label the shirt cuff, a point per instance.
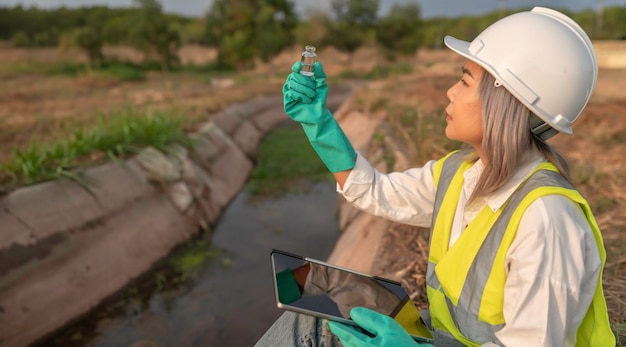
(360, 178)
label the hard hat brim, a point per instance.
(463, 48)
(459, 46)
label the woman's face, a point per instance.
(464, 113)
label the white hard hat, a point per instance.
(543, 58)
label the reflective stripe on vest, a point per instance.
(467, 300)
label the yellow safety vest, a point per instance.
(465, 283)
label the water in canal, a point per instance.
(224, 305)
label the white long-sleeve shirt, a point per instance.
(552, 265)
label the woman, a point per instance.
(515, 255)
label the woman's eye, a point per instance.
(463, 81)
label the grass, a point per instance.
(108, 69)
(285, 160)
(119, 72)
(57, 68)
(378, 72)
(116, 135)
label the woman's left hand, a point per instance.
(385, 330)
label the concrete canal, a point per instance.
(227, 300)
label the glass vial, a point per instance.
(308, 60)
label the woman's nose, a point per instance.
(450, 93)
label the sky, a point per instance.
(430, 8)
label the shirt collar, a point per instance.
(496, 199)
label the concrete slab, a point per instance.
(117, 184)
(358, 245)
(203, 150)
(228, 120)
(247, 138)
(95, 264)
(229, 173)
(14, 231)
(158, 166)
(269, 118)
(53, 206)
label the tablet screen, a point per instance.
(313, 287)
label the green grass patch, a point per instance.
(285, 162)
(120, 72)
(378, 72)
(384, 71)
(212, 67)
(349, 74)
(57, 68)
(111, 70)
(117, 134)
(185, 264)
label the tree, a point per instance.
(90, 41)
(356, 12)
(192, 31)
(20, 39)
(153, 33)
(245, 29)
(274, 23)
(614, 23)
(354, 20)
(117, 29)
(230, 28)
(314, 30)
(400, 30)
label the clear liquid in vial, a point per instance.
(308, 60)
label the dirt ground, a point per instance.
(35, 107)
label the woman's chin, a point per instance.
(450, 133)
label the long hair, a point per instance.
(507, 138)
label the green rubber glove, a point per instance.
(304, 100)
(385, 331)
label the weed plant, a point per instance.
(116, 135)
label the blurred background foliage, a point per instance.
(245, 30)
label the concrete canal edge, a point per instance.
(66, 245)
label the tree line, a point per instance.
(246, 30)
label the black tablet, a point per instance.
(327, 291)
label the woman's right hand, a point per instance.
(304, 97)
(305, 102)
